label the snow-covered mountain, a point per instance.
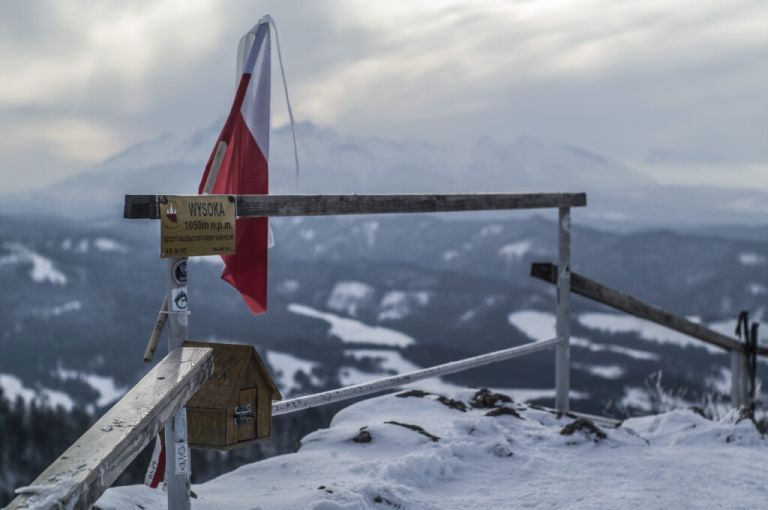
(480, 450)
(334, 162)
(358, 298)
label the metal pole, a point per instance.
(563, 326)
(177, 456)
(396, 381)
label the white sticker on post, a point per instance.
(179, 299)
(181, 459)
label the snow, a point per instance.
(536, 325)
(288, 287)
(43, 269)
(618, 349)
(57, 310)
(646, 330)
(450, 255)
(752, 259)
(109, 245)
(756, 289)
(398, 304)
(14, 388)
(491, 230)
(394, 362)
(347, 296)
(368, 229)
(674, 460)
(604, 371)
(540, 326)
(105, 386)
(638, 398)
(389, 360)
(513, 251)
(354, 331)
(286, 367)
(721, 382)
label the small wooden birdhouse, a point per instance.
(234, 407)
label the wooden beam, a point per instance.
(146, 206)
(591, 289)
(82, 473)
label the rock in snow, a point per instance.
(419, 453)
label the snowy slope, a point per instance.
(418, 452)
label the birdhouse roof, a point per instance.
(238, 357)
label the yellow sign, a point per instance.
(197, 225)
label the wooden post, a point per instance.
(739, 392)
(562, 325)
(157, 330)
(177, 456)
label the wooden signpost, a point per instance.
(197, 225)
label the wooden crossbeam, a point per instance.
(82, 473)
(147, 206)
(591, 289)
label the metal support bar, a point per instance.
(178, 467)
(563, 326)
(396, 381)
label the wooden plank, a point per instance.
(145, 206)
(598, 292)
(82, 473)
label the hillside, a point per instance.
(412, 451)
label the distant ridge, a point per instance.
(334, 162)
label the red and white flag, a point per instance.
(156, 469)
(243, 151)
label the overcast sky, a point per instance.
(677, 89)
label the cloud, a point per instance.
(620, 78)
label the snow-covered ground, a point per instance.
(617, 323)
(287, 367)
(354, 331)
(105, 386)
(421, 452)
(540, 326)
(42, 269)
(14, 388)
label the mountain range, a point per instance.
(333, 162)
(356, 298)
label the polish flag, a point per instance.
(242, 150)
(156, 469)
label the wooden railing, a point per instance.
(86, 469)
(91, 465)
(82, 473)
(595, 291)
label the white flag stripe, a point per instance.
(255, 108)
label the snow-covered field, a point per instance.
(423, 452)
(354, 331)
